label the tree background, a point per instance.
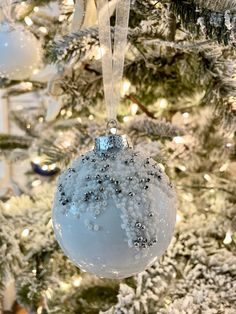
(178, 104)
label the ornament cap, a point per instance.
(112, 142)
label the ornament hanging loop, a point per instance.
(113, 57)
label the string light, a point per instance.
(207, 177)
(186, 115)
(133, 109)
(28, 21)
(163, 103)
(69, 2)
(36, 9)
(52, 166)
(7, 205)
(28, 126)
(41, 119)
(43, 30)
(125, 87)
(40, 310)
(63, 112)
(223, 167)
(179, 217)
(91, 117)
(178, 139)
(25, 233)
(182, 168)
(36, 183)
(228, 238)
(64, 286)
(77, 281)
(126, 119)
(69, 113)
(229, 145)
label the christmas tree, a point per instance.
(178, 104)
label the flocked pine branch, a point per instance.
(154, 128)
(219, 26)
(217, 5)
(9, 142)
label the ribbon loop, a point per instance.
(113, 62)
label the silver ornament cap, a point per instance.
(107, 143)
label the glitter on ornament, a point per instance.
(114, 210)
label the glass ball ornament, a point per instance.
(114, 210)
(20, 52)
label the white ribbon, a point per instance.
(113, 62)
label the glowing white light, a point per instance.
(26, 85)
(91, 117)
(37, 160)
(69, 2)
(40, 310)
(207, 177)
(79, 120)
(34, 271)
(36, 9)
(61, 18)
(126, 119)
(186, 115)
(28, 126)
(69, 113)
(22, 3)
(125, 87)
(43, 30)
(25, 233)
(63, 112)
(52, 166)
(182, 167)
(28, 21)
(228, 238)
(65, 286)
(178, 218)
(77, 281)
(41, 119)
(66, 144)
(178, 139)
(229, 145)
(45, 167)
(7, 205)
(36, 183)
(35, 71)
(133, 109)
(163, 103)
(223, 167)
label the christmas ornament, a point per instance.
(44, 169)
(41, 164)
(114, 208)
(20, 52)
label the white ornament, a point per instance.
(114, 210)
(20, 52)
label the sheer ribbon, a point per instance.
(113, 59)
